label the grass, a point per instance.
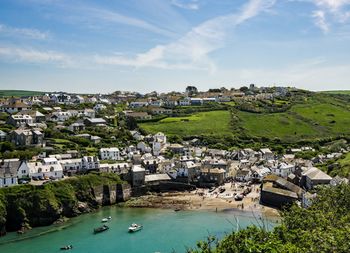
(19, 93)
(276, 125)
(320, 116)
(204, 123)
(332, 119)
(343, 92)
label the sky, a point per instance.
(101, 46)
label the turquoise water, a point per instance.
(164, 231)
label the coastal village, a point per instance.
(80, 134)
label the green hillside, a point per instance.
(19, 93)
(305, 117)
(203, 123)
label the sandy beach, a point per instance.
(202, 199)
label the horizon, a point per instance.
(164, 45)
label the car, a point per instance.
(40, 178)
(52, 178)
(35, 178)
(23, 182)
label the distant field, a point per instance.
(19, 93)
(334, 119)
(275, 125)
(347, 92)
(204, 123)
(312, 119)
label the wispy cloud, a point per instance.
(93, 15)
(115, 17)
(34, 56)
(320, 20)
(330, 10)
(189, 5)
(193, 49)
(23, 32)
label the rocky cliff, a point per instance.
(26, 206)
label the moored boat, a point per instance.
(134, 228)
(67, 247)
(101, 229)
(106, 219)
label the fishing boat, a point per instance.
(101, 229)
(134, 228)
(106, 219)
(67, 247)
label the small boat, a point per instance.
(239, 197)
(106, 219)
(134, 228)
(101, 229)
(221, 190)
(177, 209)
(67, 247)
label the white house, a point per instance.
(185, 101)
(99, 107)
(90, 113)
(60, 116)
(243, 175)
(9, 172)
(71, 165)
(283, 169)
(266, 154)
(90, 163)
(143, 147)
(258, 173)
(160, 137)
(110, 153)
(20, 120)
(48, 167)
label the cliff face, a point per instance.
(26, 206)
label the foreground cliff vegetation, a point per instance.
(324, 227)
(26, 206)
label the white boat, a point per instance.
(106, 219)
(134, 228)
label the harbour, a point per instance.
(164, 230)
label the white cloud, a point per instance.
(332, 5)
(23, 32)
(193, 49)
(34, 56)
(189, 5)
(330, 10)
(320, 20)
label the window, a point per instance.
(40, 170)
(52, 169)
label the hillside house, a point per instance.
(9, 172)
(110, 154)
(20, 120)
(27, 137)
(47, 168)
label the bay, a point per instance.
(164, 231)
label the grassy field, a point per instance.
(332, 119)
(277, 125)
(204, 123)
(19, 93)
(346, 92)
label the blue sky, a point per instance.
(165, 45)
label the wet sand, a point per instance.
(202, 199)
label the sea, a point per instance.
(164, 230)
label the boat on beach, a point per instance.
(135, 227)
(101, 229)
